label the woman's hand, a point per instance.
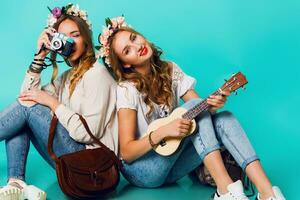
(176, 128)
(217, 101)
(40, 97)
(44, 40)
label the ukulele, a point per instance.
(169, 145)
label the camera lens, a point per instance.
(56, 44)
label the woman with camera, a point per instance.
(83, 89)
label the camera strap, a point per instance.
(43, 64)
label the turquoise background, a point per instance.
(210, 40)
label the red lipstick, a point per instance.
(143, 51)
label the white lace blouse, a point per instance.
(129, 97)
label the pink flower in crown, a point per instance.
(73, 10)
(56, 12)
(121, 21)
(69, 9)
(51, 20)
(112, 25)
(103, 40)
(106, 32)
(117, 22)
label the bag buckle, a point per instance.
(94, 177)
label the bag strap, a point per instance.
(51, 138)
(52, 128)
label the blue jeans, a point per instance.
(19, 125)
(154, 170)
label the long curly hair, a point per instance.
(86, 60)
(157, 86)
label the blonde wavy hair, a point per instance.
(157, 87)
(86, 60)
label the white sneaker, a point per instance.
(235, 192)
(11, 192)
(33, 193)
(277, 192)
(19, 190)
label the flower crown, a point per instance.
(70, 9)
(112, 25)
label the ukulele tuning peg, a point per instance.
(244, 88)
(225, 80)
(235, 92)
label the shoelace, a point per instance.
(16, 185)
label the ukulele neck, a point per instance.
(198, 108)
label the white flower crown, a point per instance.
(112, 25)
(70, 9)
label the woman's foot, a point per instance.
(277, 192)
(34, 193)
(235, 192)
(13, 190)
(19, 190)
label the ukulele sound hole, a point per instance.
(162, 143)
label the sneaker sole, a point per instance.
(34, 193)
(12, 194)
(41, 196)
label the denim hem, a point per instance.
(209, 150)
(248, 161)
(22, 178)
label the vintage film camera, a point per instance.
(61, 44)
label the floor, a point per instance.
(40, 174)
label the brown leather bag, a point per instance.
(86, 174)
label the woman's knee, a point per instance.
(40, 112)
(226, 124)
(223, 118)
(224, 115)
(40, 107)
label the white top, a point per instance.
(129, 97)
(94, 97)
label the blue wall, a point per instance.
(209, 40)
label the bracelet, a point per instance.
(38, 59)
(151, 142)
(37, 65)
(35, 69)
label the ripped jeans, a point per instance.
(19, 125)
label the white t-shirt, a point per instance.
(129, 97)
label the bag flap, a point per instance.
(87, 160)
